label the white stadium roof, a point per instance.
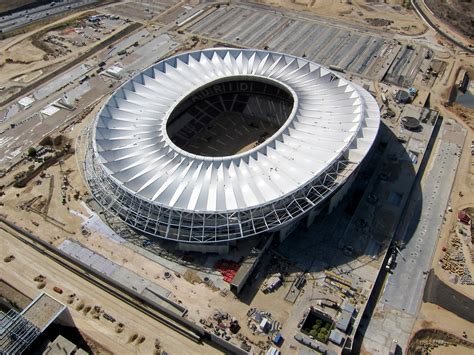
(331, 121)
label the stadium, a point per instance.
(213, 146)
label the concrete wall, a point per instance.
(233, 349)
(205, 248)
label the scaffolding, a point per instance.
(16, 333)
(195, 227)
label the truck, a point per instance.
(109, 317)
(390, 261)
(273, 283)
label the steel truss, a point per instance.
(16, 333)
(196, 227)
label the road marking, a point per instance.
(4, 141)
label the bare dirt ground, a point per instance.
(457, 13)
(464, 113)
(22, 57)
(389, 16)
(461, 197)
(64, 223)
(28, 264)
(432, 316)
(435, 341)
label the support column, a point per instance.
(310, 218)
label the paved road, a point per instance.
(395, 312)
(420, 240)
(20, 19)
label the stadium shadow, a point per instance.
(376, 209)
(383, 204)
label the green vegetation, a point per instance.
(46, 141)
(31, 151)
(318, 328)
(320, 332)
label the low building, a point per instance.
(265, 325)
(19, 330)
(336, 337)
(344, 320)
(114, 72)
(314, 345)
(273, 351)
(26, 102)
(248, 265)
(62, 346)
(273, 283)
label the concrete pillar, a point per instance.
(339, 195)
(286, 231)
(310, 218)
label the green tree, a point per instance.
(31, 151)
(322, 337)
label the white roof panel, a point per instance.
(131, 139)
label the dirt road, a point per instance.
(29, 263)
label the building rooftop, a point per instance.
(336, 337)
(62, 346)
(19, 330)
(43, 311)
(343, 321)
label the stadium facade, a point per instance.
(209, 147)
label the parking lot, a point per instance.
(352, 51)
(141, 10)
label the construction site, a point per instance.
(332, 286)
